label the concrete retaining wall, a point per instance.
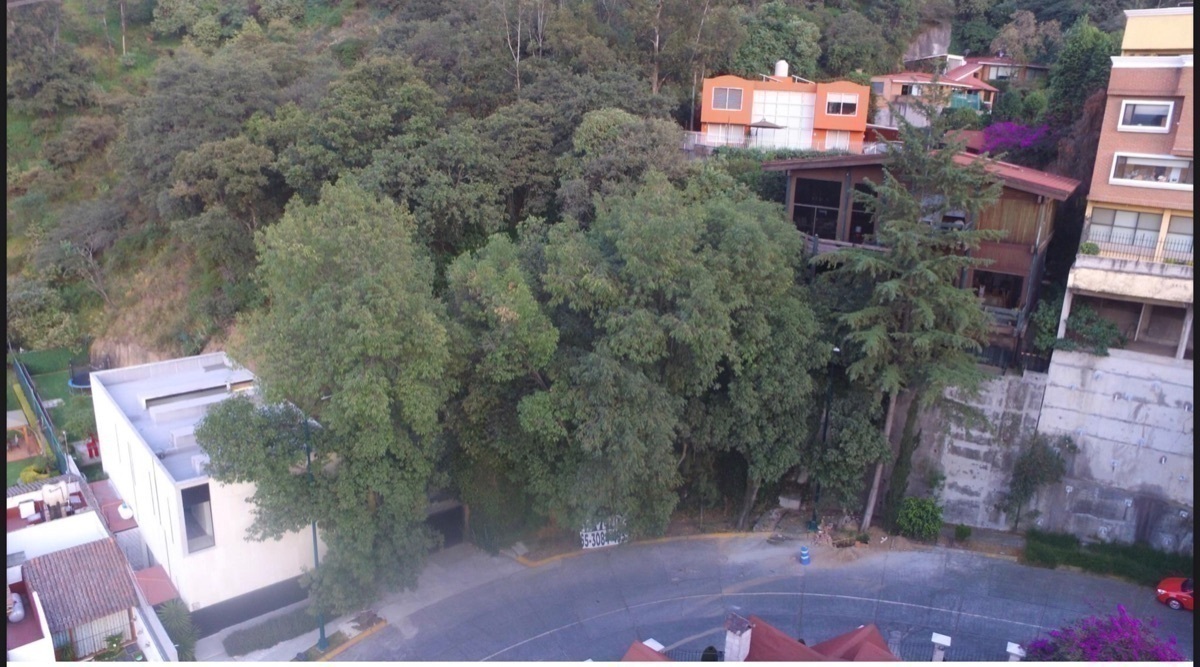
(1131, 414)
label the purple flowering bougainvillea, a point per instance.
(1008, 136)
(1118, 637)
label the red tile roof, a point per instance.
(863, 643)
(770, 644)
(1025, 179)
(155, 585)
(1014, 176)
(962, 71)
(922, 77)
(81, 584)
(639, 652)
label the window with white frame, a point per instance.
(1180, 235)
(727, 99)
(841, 104)
(837, 140)
(1002, 73)
(1129, 228)
(1145, 116)
(1152, 171)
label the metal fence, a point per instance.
(1119, 245)
(41, 415)
(694, 655)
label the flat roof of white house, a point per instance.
(164, 401)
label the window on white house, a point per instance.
(877, 87)
(841, 104)
(727, 99)
(197, 518)
(1145, 116)
(1129, 228)
(1152, 171)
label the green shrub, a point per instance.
(349, 51)
(1089, 248)
(864, 538)
(1040, 555)
(1139, 563)
(920, 518)
(962, 533)
(270, 632)
(36, 471)
(177, 621)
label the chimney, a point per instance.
(781, 69)
(737, 638)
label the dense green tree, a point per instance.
(776, 32)
(1027, 40)
(919, 330)
(353, 336)
(853, 42)
(192, 99)
(521, 140)
(1081, 69)
(450, 180)
(380, 98)
(35, 315)
(75, 246)
(44, 73)
(612, 150)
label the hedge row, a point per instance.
(1139, 563)
(270, 632)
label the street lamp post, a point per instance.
(814, 523)
(322, 642)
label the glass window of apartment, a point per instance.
(727, 99)
(1151, 171)
(1129, 228)
(910, 89)
(1145, 116)
(841, 104)
(817, 204)
(1180, 237)
(1002, 72)
(197, 518)
(877, 87)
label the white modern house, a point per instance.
(194, 527)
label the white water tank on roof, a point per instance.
(781, 69)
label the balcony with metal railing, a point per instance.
(1132, 248)
(704, 143)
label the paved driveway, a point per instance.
(594, 605)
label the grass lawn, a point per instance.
(40, 362)
(11, 379)
(15, 468)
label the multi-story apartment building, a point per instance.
(1130, 412)
(1136, 256)
(782, 111)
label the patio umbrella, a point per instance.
(763, 124)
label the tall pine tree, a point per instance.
(919, 329)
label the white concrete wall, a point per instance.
(237, 565)
(1131, 415)
(56, 535)
(40, 651)
(141, 480)
(234, 566)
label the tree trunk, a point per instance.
(869, 510)
(122, 6)
(748, 502)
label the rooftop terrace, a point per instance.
(164, 401)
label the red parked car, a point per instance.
(1176, 593)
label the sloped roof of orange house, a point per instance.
(861, 644)
(639, 652)
(770, 644)
(962, 71)
(973, 139)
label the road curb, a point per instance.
(353, 640)
(658, 540)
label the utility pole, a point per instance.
(322, 642)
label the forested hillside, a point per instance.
(463, 234)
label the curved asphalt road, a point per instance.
(678, 592)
